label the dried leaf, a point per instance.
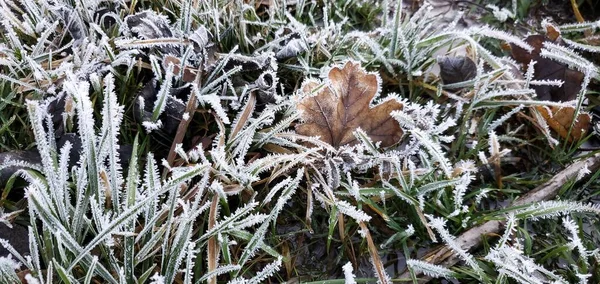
(548, 69)
(343, 105)
(560, 119)
(189, 73)
(552, 32)
(456, 69)
(148, 25)
(523, 56)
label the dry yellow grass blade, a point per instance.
(246, 114)
(212, 242)
(377, 264)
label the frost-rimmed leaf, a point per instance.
(345, 104)
(112, 116)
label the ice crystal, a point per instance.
(348, 275)
(429, 269)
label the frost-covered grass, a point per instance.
(200, 99)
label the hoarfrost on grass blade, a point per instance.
(220, 270)
(7, 270)
(351, 211)
(157, 279)
(512, 262)
(431, 270)
(439, 224)
(434, 149)
(348, 273)
(573, 229)
(555, 208)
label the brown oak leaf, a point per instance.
(560, 119)
(343, 105)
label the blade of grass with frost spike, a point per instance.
(144, 277)
(112, 116)
(227, 221)
(179, 248)
(225, 251)
(434, 150)
(152, 183)
(211, 247)
(173, 196)
(365, 140)
(333, 220)
(24, 84)
(286, 194)
(439, 225)
(581, 46)
(79, 91)
(62, 273)
(218, 271)
(257, 239)
(163, 93)
(48, 159)
(246, 236)
(35, 253)
(429, 269)
(221, 64)
(243, 116)
(488, 96)
(132, 212)
(351, 211)
(504, 36)
(156, 69)
(185, 16)
(511, 224)
(180, 178)
(551, 209)
(51, 223)
(433, 186)
(7, 246)
(588, 73)
(578, 27)
(567, 56)
(500, 103)
(149, 43)
(395, 29)
(208, 93)
(132, 180)
(493, 75)
(243, 140)
(278, 128)
(151, 247)
(414, 202)
(254, 243)
(274, 190)
(267, 271)
(63, 190)
(264, 164)
(90, 273)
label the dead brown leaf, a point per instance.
(559, 119)
(456, 69)
(189, 73)
(343, 105)
(548, 69)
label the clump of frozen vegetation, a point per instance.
(209, 209)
